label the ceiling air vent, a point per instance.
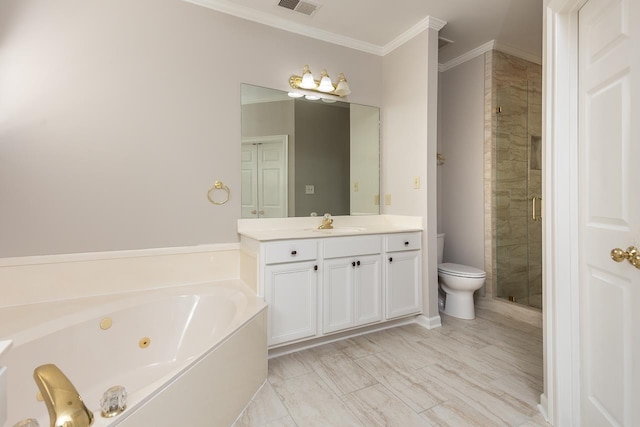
(300, 6)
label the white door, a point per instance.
(609, 211)
(265, 177)
(249, 183)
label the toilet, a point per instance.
(458, 282)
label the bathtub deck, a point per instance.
(485, 372)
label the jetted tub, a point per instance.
(206, 355)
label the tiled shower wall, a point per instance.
(513, 240)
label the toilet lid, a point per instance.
(460, 270)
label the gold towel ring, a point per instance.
(218, 185)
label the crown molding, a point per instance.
(480, 50)
(491, 45)
(247, 13)
(429, 22)
(270, 20)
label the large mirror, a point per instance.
(301, 157)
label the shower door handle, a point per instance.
(534, 210)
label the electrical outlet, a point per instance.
(416, 182)
(309, 189)
(356, 187)
(376, 200)
(387, 199)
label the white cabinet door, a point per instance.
(403, 284)
(352, 292)
(368, 290)
(291, 292)
(337, 294)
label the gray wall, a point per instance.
(461, 178)
(322, 158)
(118, 116)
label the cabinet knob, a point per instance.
(353, 264)
(406, 243)
(315, 268)
(390, 259)
(294, 253)
(358, 263)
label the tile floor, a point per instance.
(483, 372)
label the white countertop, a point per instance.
(307, 227)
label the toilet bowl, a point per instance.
(458, 282)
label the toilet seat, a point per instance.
(459, 270)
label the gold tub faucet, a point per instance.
(65, 406)
(327, 222)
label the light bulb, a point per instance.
(325, 82)
(308, 82)
(342, 88)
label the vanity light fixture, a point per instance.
(325, 85)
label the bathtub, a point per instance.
(206, 354)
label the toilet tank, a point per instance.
(440, 247)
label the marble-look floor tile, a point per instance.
(521, 386)
(377, 406)
(339, 371)
(288, 366)
(404, 347)
(357, 347)
(528, 364)
(408, 386)
(456, 413)
(502, 408)
(311, 403)
(282, 422)
(483, 372)
(265, 407)
(537, 421)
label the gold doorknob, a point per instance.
(631, 254)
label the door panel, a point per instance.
(609, 211)
(265, 177)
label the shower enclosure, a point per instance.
(517, 192)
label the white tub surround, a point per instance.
(42, 279)
(318, 283)
(207, 332)
(208, 338)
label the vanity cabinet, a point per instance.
(323, 285)
(291, 289)
(352, 282)
(403, 275)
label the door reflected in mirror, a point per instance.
(300, 156)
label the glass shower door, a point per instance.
(516, 189)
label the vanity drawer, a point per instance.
(352, 246)
(291, 251)
(404, 242)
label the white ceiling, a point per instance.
(377, 26)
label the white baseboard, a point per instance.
(429, 322)
(542, 407)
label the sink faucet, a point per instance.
(65, 406)
(327, 222)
